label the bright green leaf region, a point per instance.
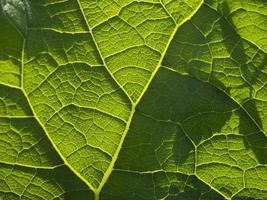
(133, 99)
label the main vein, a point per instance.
(135, 104)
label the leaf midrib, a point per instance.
(135, 104)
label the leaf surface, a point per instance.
(133, 99)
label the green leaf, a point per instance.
(130, 100)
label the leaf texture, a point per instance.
(129, 100)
